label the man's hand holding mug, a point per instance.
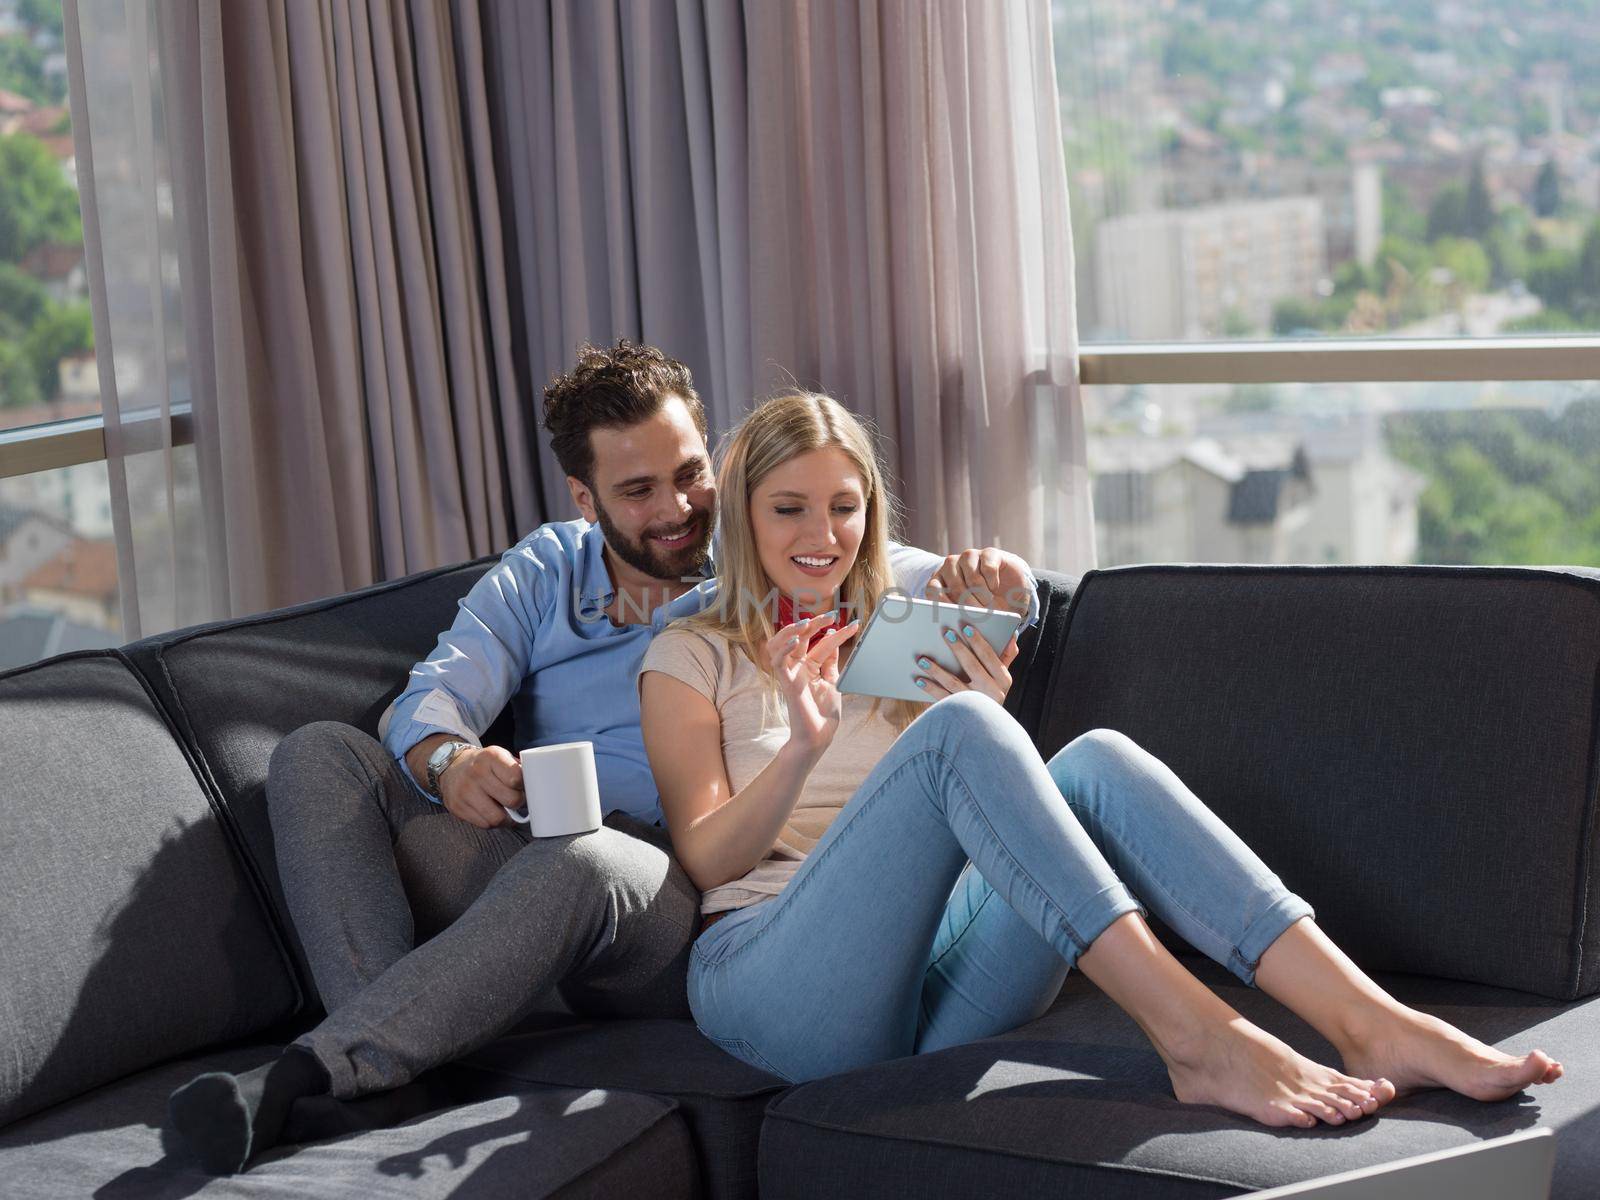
(480, 785)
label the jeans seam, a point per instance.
(725, 1043)
(971, 921)
(1129, 850)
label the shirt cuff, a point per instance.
(403, 731)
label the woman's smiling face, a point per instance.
(808, 517)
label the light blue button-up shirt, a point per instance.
(533, 631)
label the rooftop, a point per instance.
(29, 634)
(83, 568)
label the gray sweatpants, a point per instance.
(428, 937)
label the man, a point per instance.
(383, 847)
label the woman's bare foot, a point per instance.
(1418, 1051)
(1241, 1067)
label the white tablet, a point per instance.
(902, 629)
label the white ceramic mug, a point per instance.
(561, 790)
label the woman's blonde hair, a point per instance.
(779, 430)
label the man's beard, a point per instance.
(691, 562)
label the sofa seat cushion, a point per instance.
(721, 1098)
(1077, 1103)
(129, 933)
(1397, 743)
(537, 1142)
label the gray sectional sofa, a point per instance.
(1415, 749)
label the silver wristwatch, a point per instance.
(442, 757)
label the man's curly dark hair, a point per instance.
(611, 388)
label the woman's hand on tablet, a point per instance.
(985, 671)
(808, 678)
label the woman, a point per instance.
(883, 879)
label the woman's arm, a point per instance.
(718, 837)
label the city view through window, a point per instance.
(1246, 170)
(58, 565)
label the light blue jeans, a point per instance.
(950, 898)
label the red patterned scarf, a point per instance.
(788, 616)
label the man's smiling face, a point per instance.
(653, 494)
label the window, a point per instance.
(58, 564)
(47, 367)
(1294, 168)
(1347, 473)
(1281, 208)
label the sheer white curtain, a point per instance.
(911, 252)
(299, 293)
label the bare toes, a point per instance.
(1288, 1114)
(1322, 1110)
(1348, 1106)
(1358, 1099)
(1542, 1068)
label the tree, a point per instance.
(1465, 260)
(1587, 284)
(22, 70)
(66, 329)
(22, 299)
(19, 386)
(1547, 190)
(1237, 324)
(41, 15)
(1399, 261)
(1447, 215)
(1507, 258)
(1479, 213)
(1351, 277)
(37, 204)
(1400, 217)
(1553, 277)
(1295, 315)
(1506, 486)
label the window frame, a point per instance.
(1329, 360)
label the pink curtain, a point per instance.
(301, 313)
(911, 252)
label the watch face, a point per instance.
(438, 760)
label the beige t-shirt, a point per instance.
(755, 726)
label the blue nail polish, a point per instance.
(949, 635)
(966, 631)
(924, 664)
(922, 683)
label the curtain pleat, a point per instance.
(621, 153)
(310, 207)
(910, 254)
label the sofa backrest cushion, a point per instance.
(236, 688)
(1412, 749)
(1029, 697)
(128, 932)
